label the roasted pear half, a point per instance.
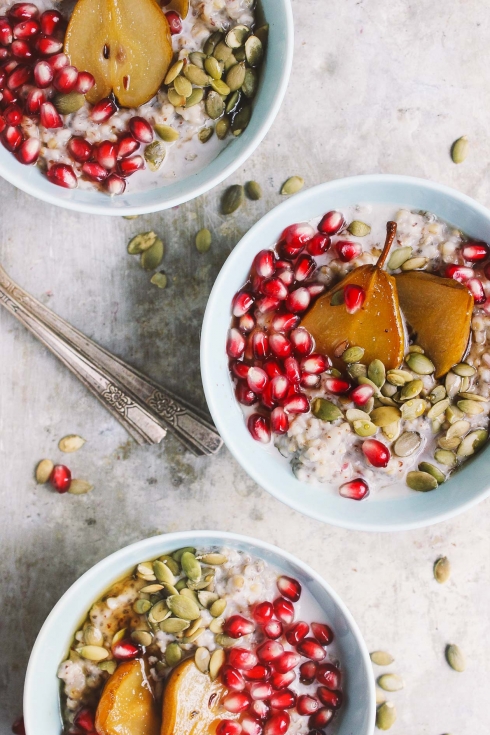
(376, 326)
(191, 702)
(438, 311)
(127, 705)
(124, 44)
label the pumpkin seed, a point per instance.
(357, 370)
(398, 377)
(254, 50)
(388, 390)
(222, 52)
(207, 598)
(253, 190)
(109, 666)
(459, 149)
(195, 97)
(203, 583)
(471, 408)
(212, 41)
(196, 76)
(169, 589)
(436, 425)
(381, 658)
(166, 133)
(155, 155)
(438, 408)
(43, 471)
(459, 429)
(176, 99)
(472, 442)
(445, 457)
(216, 625)
(353, 354)
(213, 67)
(171, 564)
(163, 573)
(71, 443)
(377, 373)
(222, 127)
(464, 370)
(217, 660)
(93, 653)
(416, 348)
(455, 657)
(214, 559)
(158, 612)
(249, 86)
(80, 487)
(237, 36)
(151, 258)
(442, 570)
(385, 716)
(392, 431)
(453, 414)
(364, 428)
(473, 397)
(263, 33)
(358, 228)
(198, 58)
(292, 185)
(411, 390)
(355, 414)
(181, 584)
(203, 240)
(407, 443)
(140, 243)
(174, 625)
(414, 264)
(225, 640)
(191, 567)
(205, 134)
(368, 407)
(68, 103)
(232, 199)
(232, 101)
(92, 636)
(173, 654)
(221, 88)
(444, 443)
(146, 569)
(183, 607)
(437, 394)
(390, 682)
(214, 105)
(142, 637)
(201, 659)
(174, 71)
(452, 383)
(436, 473)
(421, 481)
(183, 86)
(177, 555)
(385, 415)
(325, 410)
(413, 409)
(141, 606)
(398, 257)
(159, 279)
(235, 76)
(336, 300)
(420, 364)
(218, 608)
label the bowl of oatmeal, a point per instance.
(113, 114)
(208, 625)
(344, 352)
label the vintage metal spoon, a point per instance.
(145, 409)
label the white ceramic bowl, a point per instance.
(42, 687)
(467, 487)
(272, 87)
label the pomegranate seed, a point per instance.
(2, 124)
(85, 82)
(298, 300)
(329, 698)
(310, 648)
(50, 20)
(337, 385)
(260, 344)
(354, 490)
(129, 166)
(232, 679)
(320, 718)
(237, 626)
(260, 709)
(257, 379)
(475, 251)
(43, 74)
(19, 76)
(242, 658)
(264, 263)
(240, 369)
(6, 35)
(242, 303)
(29, 151)
(106, 154)
(459, 273)
(23, 11)
(329, 676)
(63, 175)
(50, 117)
(21, 50)
(26, 29)
(283, 699)
(307, 705)
(304, 267)
(85, 720)
(315, 364)
(278, 724)
(286, 662)
(281, 680)
(258, 673)
(284, 322)
(273, 629)
(65, 79)
(475, 287)
(3, 77)
(272, 368)
(331, 223)
(268, 303)
(302, 341)
(296, 634)
(292, 370)
(244, 395)
(348, 250)
(58, 61)
(250, 726)
(279, 387)
(315, 289)
(60, 478)
(127, 146)
(310, 381)
(13, 114)
(94, 171)
(318, 244)
(307, 672)
(259, 428)
(261, 690)
(80, 149)
(280, 345)
(294, 238)
(235, 345)
(229, 727)
(236, 702)
(141, 129)
(354, 297)
(361, 394)
(284, 610)
(376, 453)
(12, 138)
(323, 633)
(103, 110)
(9, 65)
(114, 184)
(297, 403)
(267, 398)
(275, 288)
(286, 276)
(125, 650)
(269, 651)
(246, 323)
(47, 45)
(174, 22)
(263, 612)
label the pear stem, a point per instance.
(390, 236)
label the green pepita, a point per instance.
(452, 383)
(163, 572)
(398, 377)
(263, 33)
(407, 444)
(171, 564)
(216, 625)
(203, 240)
(213, 67)
(444, 443)
(416, 348)
(177, 555)
(442, 570)
(464, 370)
(455, 657)
(176, 99)
(292, 185)
(205, 134)
(217, 660)
(195, 97)
(93, 653)
(471, 408)
(145, 569)
(398, 257)
(390, 682)
(249, 86)
(203, 583)
(140, 243)
(222, 127)
(218, 608)
(392, 431)
(445, 457)
(459, 149)
(174, 71)
(381, 658)
(151, 258)
(388, 390)
(201, 659)
(118, 636)
(253, 190)
(235, 76)
(232, 101)
(355, 414)
(43, 471)
(325, 410)
(377, 373)
(174, 625)
(473, 397)
(411, 390)
(196, 76)
(141, 606)
(364, 428)
(414, 264)
(453, 414)
(183, 86)
(68, 103)
(438, 408)
(173, 654)
(206, 598)
(214, 105)
(385, 415)
(337, 299)
(419, 363)
(142, 637)
(159, 279)
(109, 666)
(92, 636)
(241, 120)
(413, 409)
(183, 607)
(437, 394)
(214, 559)
(472, 442)
(434, 471)
(385, 716)
(225, 640)
(358, 228)
(421, 481)
(458, 429)
(198, 58)
(155, 155)
(191, 594)
(232, 199)
(254, 51)
(190, 566)
(158, 612)
(353, 354)
(221, 88)
(212, 42)
(237, 36)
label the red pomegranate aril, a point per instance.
(279, 387)
(21, 50)
(315, 364)
(85, 720)
(9, 65)
(273, 629)
(240, 369)
(6, 35)
(269, 651)
(244, 395)
(259, 428)
(106, 154)
(246, 323)
(268, 303)
(307, 705)
(260, 672)
(328, 675)
(80, 149)
(283, 699)
(3, 78)
(50, 116)
(242, 658)
(129, 166)
(60, 478)
(260, 690)
(354, 489)
(94, 171)
(280, 345)
(242, 302)
(12, 138)
(260, 709)
(237, 626)
(260, 345)
(348, 250)
(251, 726)
(475, 287)
(114, 184)
(174, 22)
(257, 379)
(58, 61)
(296, 236)
(47, 45)
(125, 650)
(361, 394)
(141, 129)
(263, 612)
(272, 368)
(281, 680)
(26, 29)
(256, 283)
(320, 718)
(331, 223)
(266, 397)
(103, 110)
(296, 634)
(29, 151)
(310, 381)
(297, 403)
(329, 698)
(284, 322)
(475, 251)
(318, 244)
(264, 263)
(3, 124)
(23, 11)
(43, 74)
(286, 276)
(236, 702)
(293, 373)
(337, 385)
(459, 273)
(298, 300)
(315, 289)
(20, 75)
(310, 648)
(65, 79)
(13, 114)
(85, 82)
(307, 672)
(278, 724)
(302, 341)
(376, 453)
(229, 727)
(50, 20)
(232, 678)
(304, 267)
(63, 175)
(275, 288)
(323, 633)
(287, 661)
(284, 610)
(235, 345)
(354, 297)
(127, 146)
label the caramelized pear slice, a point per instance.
(377, 326)
(438, 311)
(191, 702)
(124, 44)
(127, 705)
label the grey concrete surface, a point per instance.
(377, 86)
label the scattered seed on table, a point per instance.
(253, 190)
(71, 443)
(232, 199)
(203, 240)
(381, 658)
(385, 716)
(442, 570)
(459, 149)
(159, 280)
(43, 471)
(292, 185)
(455, 657)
